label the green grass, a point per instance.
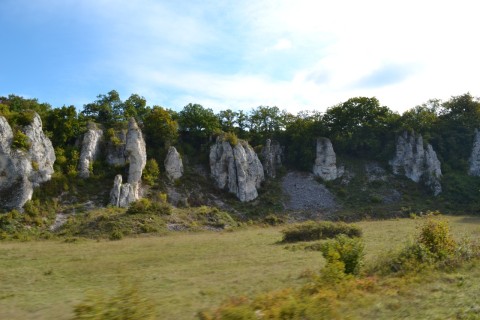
(185, 272)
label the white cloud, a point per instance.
(282, 44)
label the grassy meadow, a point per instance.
(183, 273)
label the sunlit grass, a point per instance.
(183, 273)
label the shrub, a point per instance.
(127, 303)
(151, 172)
(145, 206)
(348, 251)
(116, 235)
(436, 237)
(20, 141)
(231, 138)
(311, 231)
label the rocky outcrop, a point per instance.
(474, 162)
(123, 194)
(416, 162)
(236, 169)
(173, 164)
(325, 165)
(90, 149)
(115, 149)
(23, 169)
(271, 154)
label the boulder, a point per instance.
(417, 162)
(272, 154)
(90, 149)
(123, 194)
(23, 170)
(474, 162)
(325, 165)
(236, 169)
(173, 164)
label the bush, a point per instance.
(127, 303)
(311, 231)
(20, 141)
(436, 237)
(231, 138)
(145, 206)
(347, 251)
(151, 172)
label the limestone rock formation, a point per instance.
(272, 154)
(22, 170)
(115, 150)
(123, 194)
(416, 162)
(236, 169)
(474, 168)
(325, 165)
(90, 149)
(173, 164)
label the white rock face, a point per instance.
(325, 165)
(416, 162)
(123, 194)
(474, 168)
(21, 171)
(272, 154)
(90, 149)
(236, 169)
(173, 164)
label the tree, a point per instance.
(63, 124)
(107, 109)
(360, 126)
(197, 123)
(160, 129)
(135, 106)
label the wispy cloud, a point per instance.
(240, 54)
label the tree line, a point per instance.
(358, 127)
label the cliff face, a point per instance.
(123, 194)
(325, 165)
(173, 164)
(90, 149)
(272, 154)
(416, 162)
(236, 169)
(22, 170)
(474, 162)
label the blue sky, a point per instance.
(297, 55)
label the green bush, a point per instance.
(127, 304)
(231, 138)
(145, 206)
(311, 231)
(347, 251)
(151, 172)
(436, 237)
(20, 141)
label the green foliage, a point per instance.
(64, 125)
(113, 138)
(197, 122)
(20, 141)
(436, 237)
(145, 206)
(311, 231)
(129, 303)
(107, 109)
(360, 126)
(344, 253)
(151, 172)
(161, 130)
(231, 138)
